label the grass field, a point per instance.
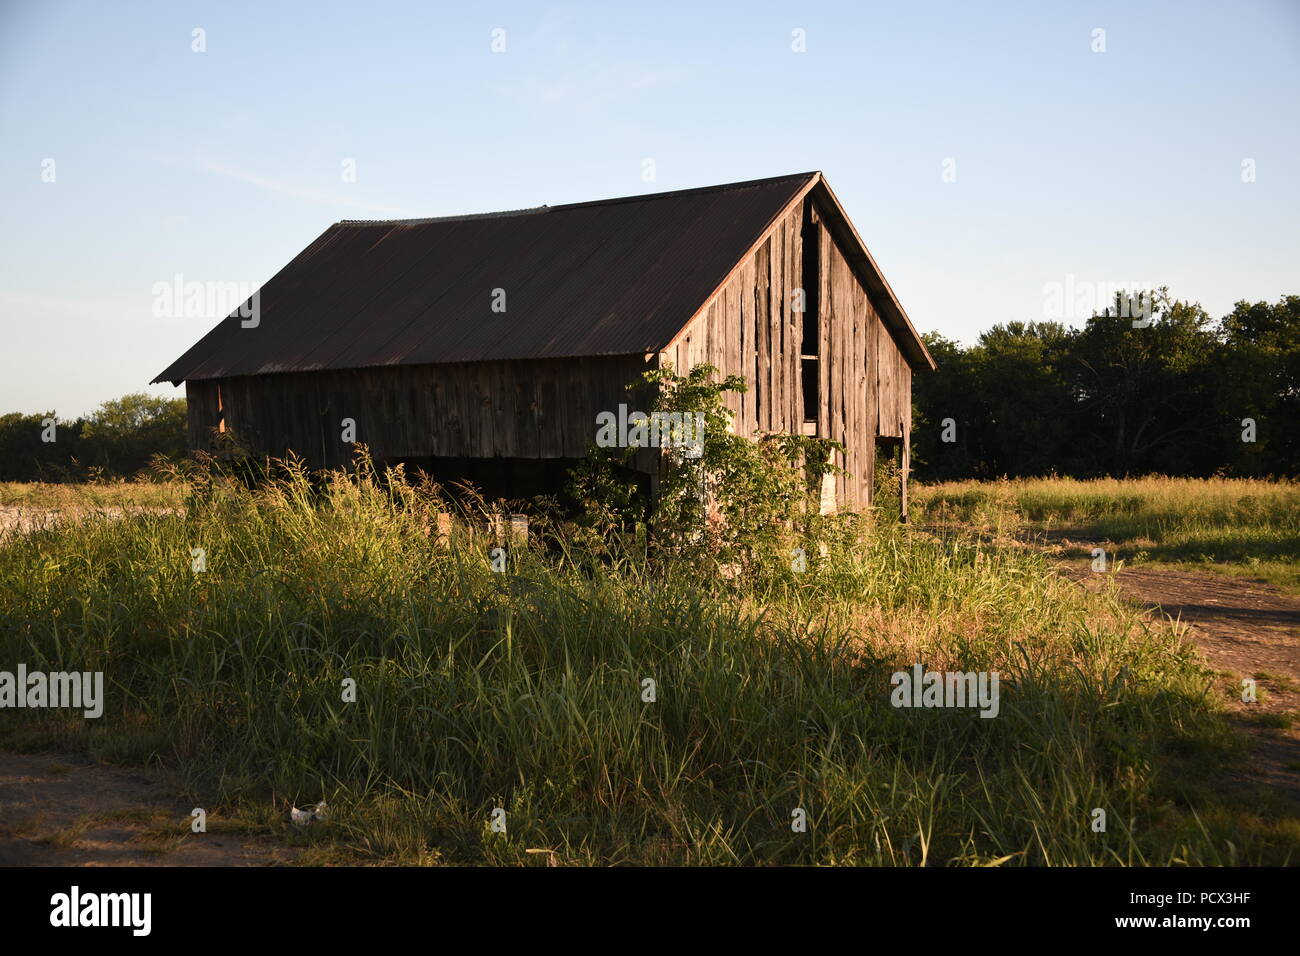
(143, 494)
(524, 690)
(1232, 526)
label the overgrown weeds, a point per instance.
(525, 689)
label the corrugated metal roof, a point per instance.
(613, 277)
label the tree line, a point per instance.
(117, 440)
(1174, 392)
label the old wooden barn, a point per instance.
(485, 346)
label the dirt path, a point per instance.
(1244, 628)
(61, 810)
(69, 811)
(24, 518)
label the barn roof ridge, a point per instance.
(611, 201)
(459, 217)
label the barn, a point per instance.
(484, 347)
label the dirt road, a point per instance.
(69, 811)
(1245, 629)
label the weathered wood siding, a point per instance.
(518, 409)
(752, 329)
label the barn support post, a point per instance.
(509, 529)
(905, 458)
(826, 499)
(519, 529)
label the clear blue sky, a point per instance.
(220, 166)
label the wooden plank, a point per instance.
(762, 356)
(731, 344)
(826, 322)
(753, 358)
(790, 330)
(854, 394)
(781, 306)
(775, 317)
(708, 332)
(902, 478)
(776, 322)
(549, 445)
(862, 437)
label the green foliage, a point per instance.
(24, 456)
(1260, 378)
(118, 439)
(737, 500)
(1145, 395)
(124, 434)
(1037, 398)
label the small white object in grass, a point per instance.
(304, 817)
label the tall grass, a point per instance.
(139, 494)
(523, 690)
(1241, 525)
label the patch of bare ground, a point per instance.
(1245, 629)
(58, 810)
(22, 519)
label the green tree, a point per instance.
(1260, 379)
(1145, 394)
(120, 438)
(1010, 405)
(950, 392)
(1030, 409)
(124, 434)
(25, 456)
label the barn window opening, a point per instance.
(810, 344)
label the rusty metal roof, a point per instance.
(612, 277)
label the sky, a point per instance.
(990, 154)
